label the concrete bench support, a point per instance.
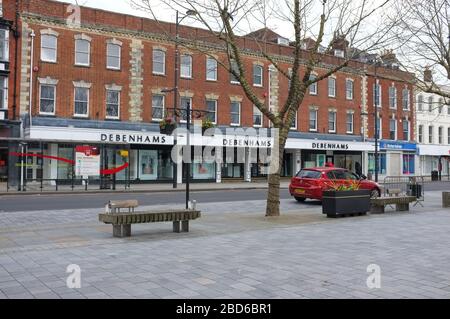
(445, 199)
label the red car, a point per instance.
(311, 182)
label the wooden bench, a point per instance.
(377, 205)
(114, 206)
(121, 222)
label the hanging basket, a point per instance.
(167, 129)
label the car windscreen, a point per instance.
(309, 174)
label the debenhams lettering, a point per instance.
(330, 146)
(133, 138)
(247, 142)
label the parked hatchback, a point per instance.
(311, 182)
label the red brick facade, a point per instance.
(102, 26)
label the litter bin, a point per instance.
(415, 190)
(106, 182)
(434, 175)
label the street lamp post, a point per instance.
(175, 86)
(188, 149)
(376, 123)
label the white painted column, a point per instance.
(53, 149)
(219, 159)
(297, 161)
(179, 167)
(248, 165)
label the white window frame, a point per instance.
(315, 121)
(186, 67)
(77, 41)
(215, 109)
(155, 119)
(75, 101)
(351, 96)
(334, 88)
(4, 88)
(408, 100)
(334, 122)
(409, 130)
(55, 49)
(313, 85)
(163, 62)
(231, 117)
(395, 129)
(232, 81)
(377, 89)
(261, 75)
(352, 123)
(420, 103)
(118, 105)
(294, 128)
(108, 54)
(420, 134)
(54, 98)
(394, 98)
(208, 70)
(258, 112)
(5, 52)
(431, 136)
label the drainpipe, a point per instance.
(32, 35)
(16, 33)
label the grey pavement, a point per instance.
(232, 251)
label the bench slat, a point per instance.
(148, 217)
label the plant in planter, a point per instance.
(207, 124)
(167, 126)
(345, 199)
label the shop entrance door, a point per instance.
(395, 163)
(3, 165)
(33, 166)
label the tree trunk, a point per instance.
(273, 194)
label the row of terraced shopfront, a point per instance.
(103, 85)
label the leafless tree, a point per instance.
(325, 21)
(423, 33)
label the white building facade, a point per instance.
(432, 134)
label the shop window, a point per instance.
(381, 163)
(408, 164)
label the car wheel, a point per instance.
(374, 193)
(300, 199)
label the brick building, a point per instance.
(104, 82)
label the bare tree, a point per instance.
(423, 33)
(311, 23)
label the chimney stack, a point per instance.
(427, 75)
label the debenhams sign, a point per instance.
(330, 146)
(135, 138)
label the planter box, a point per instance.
(340, 203)
(445, 199)
(168, 129)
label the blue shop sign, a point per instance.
(395, 145)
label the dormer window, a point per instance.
(339, 53)
(282, 41)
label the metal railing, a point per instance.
(405, 186)
(43, 184)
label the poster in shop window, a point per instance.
(87, 161)
(148, 162)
